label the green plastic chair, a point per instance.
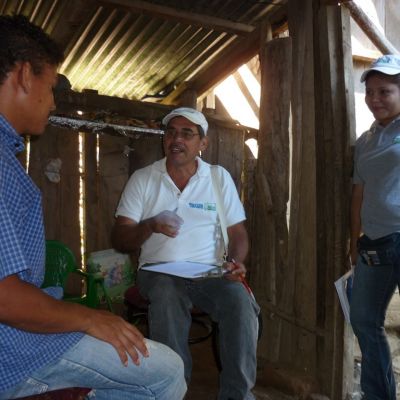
(60, 262)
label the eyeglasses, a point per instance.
(186, 133)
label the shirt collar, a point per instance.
(202, 169)
(10, 137)
(377, 127)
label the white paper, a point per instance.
(341, 285)
(185, 269)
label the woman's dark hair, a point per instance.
(391, 78)
(22, 41)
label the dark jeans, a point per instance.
(373, 287)
(228, 303)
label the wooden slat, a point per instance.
(91, 191)
(226, 147)
(113, 174)
(196, 19)
(60, 200)
(300, 284)
(269, 229)
(334, 131)
(232, 58)
(370, 29)
(145, 151)
(246, 93)
(240, 52)
(66, 33)
(68, 102)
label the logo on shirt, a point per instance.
(204, 206)
(396, 139)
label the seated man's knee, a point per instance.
(240, 305)
(166, 290)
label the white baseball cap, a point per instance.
(388, 64)
(189, 113)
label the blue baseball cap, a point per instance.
(388, 64)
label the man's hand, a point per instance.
(167, 223)
(48, 315)
(128, 235)
(236, 270)
(124, 337)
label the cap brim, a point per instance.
(383, 70)
(191, 118)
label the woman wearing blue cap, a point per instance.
(375, 211)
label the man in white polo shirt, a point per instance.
(168, 211)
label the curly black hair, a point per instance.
(22, 41)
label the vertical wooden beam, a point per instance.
(91, 193)
(334, 116)
(269, 248)
(300, 283)
(188, 98)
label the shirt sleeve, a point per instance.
(12, 260)
(131, 202)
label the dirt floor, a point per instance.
(204, 385)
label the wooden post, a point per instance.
(334, 130)
(370, 29)
(271, 192)
(188, 98)
(295, 271)
(300, 283)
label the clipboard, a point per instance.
(186, 269)
(343, 287)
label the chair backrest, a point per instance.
(60, 261)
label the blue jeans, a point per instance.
(373, 287)
(95, 364)
(228, 303)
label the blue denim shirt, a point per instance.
(22, 252)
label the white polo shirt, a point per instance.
(150, 190)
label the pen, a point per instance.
(245, 284)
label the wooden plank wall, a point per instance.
(303, 324)
(60, 200)
(302, 225)
(104, 179)
(295, 264)
(335, 127)
(269, 263)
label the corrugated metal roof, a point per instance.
(142, 49)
